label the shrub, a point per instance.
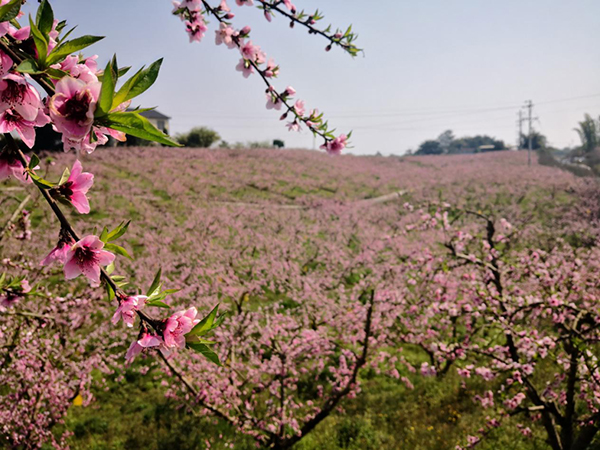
(199, 137)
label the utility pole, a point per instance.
(529, 106)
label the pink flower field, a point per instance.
(371, 302)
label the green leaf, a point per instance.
(64, 37)
(10, 10)
(138, 83)
(110, 268)
(205, 351)
(138, 126)
(118, 232)
(110, 292)
(117, 249)
(28, 66)
(45, 17)
(65, 176)
(33, 162)
(41, 43)
(155, 284)
(206, 324)
(57, 74)
(72, 46)
(104, 235)
(40, 182)
(107, 93)
(158, 304)
(198, 340)
(61, 25)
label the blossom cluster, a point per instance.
(254, 60)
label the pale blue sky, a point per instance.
(429, 65)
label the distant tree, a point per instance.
(471, 144)
(589, 133)
(445, 139)
(259, 144)
(430, 148)
(199, 137)
(538, 141)
(278, 143)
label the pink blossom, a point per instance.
(12, 167)
(512, 403)
(178, 325)
(86, 71)
(224, 35)
(146, 341)
(289, 5)
(335, 146)
(6, 63)
(127, 308)
(273, 102)
(485, 373)
(86, 257)
(11, 120)
(223, 6)
(293, 126)
(10, 298)
(58, 253)
(72, 108)
(17, 94)
(272, 70)
(244, 2)
(76, 187)
(290, 91)
(245, 67)
(299, 107)
(196, 29)
(248, 50)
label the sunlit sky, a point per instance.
(428, 66)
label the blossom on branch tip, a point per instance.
(86, 257)
(178, 325)
(335, 146)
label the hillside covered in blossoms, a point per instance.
(367, 301)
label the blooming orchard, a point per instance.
(87, 105)
(474, 267)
